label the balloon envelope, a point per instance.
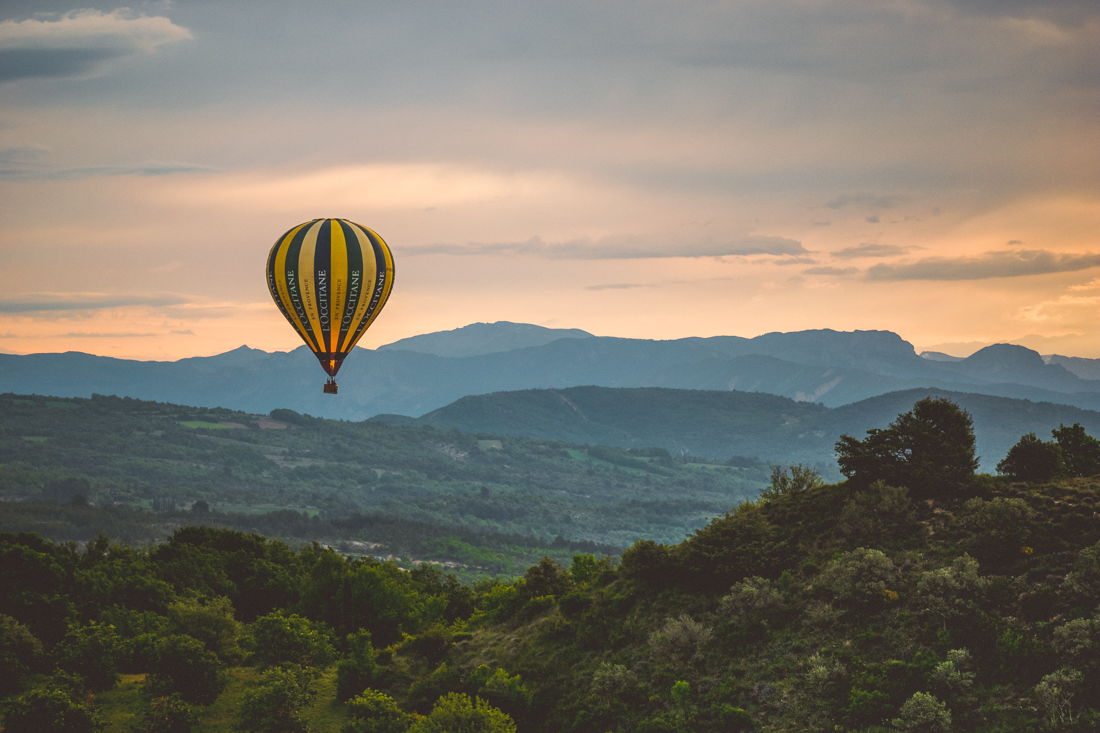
(330, 278)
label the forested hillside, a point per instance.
(165, 457)
(915, 596)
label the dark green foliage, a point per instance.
(169, 714)
(1032, 460)
(879, 516)
(92, 651)
(50, 710)
(648, 562)
(276, 705)
(290, 639)
(738, 545)
(793, 480)
(1080, 451)
(183, 665)
(20, 655)
(998, 530)
(211, 621)
(929, 450)
(456, 712)
(356, 673)
(375, 712)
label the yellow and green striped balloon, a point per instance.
(330, 278)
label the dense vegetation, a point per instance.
(852, 607)
(163, 457)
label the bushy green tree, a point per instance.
(862, 577)
(752, 600)
(20, 655)
(1032, 459)
(791, 481)
(281, 639)
(50, 710)
(1080, 451)
(930, 450)
(923, 713)
(276, 705)
(170, 714)
(1056, 693)
(212, 622)
(457, 713)
(356, 673)
(375, 712)
(93, 652)
(682, 640)
(1084, 581)
(880, 514)
(999, 528)
(184, 666)
(951, 592)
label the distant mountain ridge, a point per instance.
(824, 366)
(484, 338)
(724, 424)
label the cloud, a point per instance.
(870, 250)
(36, 303)
(623, 248)
(79, 43)
(1018, 263)
(831, 271)
(867, 199)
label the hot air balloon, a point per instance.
(330, 278)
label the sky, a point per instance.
(638, 169)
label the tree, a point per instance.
(275, 706)
(375, 712)
(20, 654)
(862, 576)
(279, 639)
(212, 623)
(929, 449)
(169, 714)
(923, 713)
(92, 652)
(999, 529)
(791, 481)
(457, 712)
(1032, 460)
(1080, 451)
(50, 711)
(1055, 694)
(183, 665)
(355, 674)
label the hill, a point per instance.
(724, 424)
(163, 457)
(830, 608)
(828, 367)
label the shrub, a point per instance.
(92, 652)
(280, 639)
(791, 481)
(753, 599)
(20, 654)
(860, 576)
(167, 715)
(184, 666)
(356, 673)
(457, 712)
(681, 640)
(375, 712)
(274, 707)
(49, 711)
(923, 713)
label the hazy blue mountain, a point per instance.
(1083, 368)
(725, 424)
(484, 338)
(829, 367)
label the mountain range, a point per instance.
(424, 373)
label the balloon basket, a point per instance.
(330, 386)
